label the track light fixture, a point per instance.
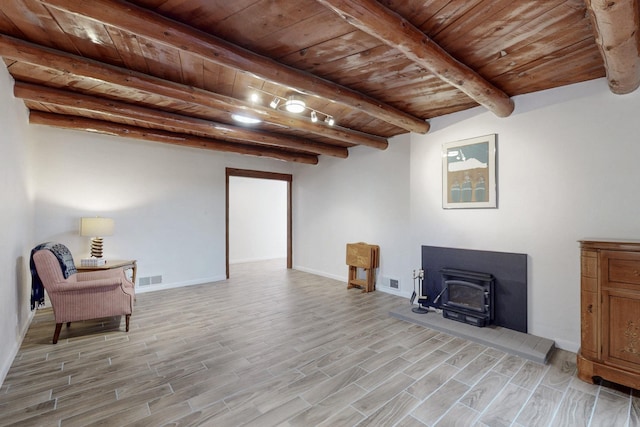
(295, 104)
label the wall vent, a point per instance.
(387, 282)
(150, 280)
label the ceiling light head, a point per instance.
(274, 104)
(329, 120)
(314, 117)
(245, 119)
(294, 105)
(255, 98)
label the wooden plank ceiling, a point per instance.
(175, 71)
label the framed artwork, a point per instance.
(469, 173)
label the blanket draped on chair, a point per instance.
(66, 264)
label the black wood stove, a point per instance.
(467, 296)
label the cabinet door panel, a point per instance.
(621, 332)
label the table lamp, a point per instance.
(96, 228)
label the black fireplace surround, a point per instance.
(509, 271)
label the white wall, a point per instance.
(168, 202)
(364, 198)
(257, 219)
(568, 170)
(16, 217)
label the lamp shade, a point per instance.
(96, 227)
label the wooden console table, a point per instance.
(127, 264)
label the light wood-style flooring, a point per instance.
(277, 347)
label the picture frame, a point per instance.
(469, 173)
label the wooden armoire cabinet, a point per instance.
(610, 312)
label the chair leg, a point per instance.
(56, 334)
(126, 321)
(68, 324)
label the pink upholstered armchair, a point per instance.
(82, 296)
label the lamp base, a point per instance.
(96, 247)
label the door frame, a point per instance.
(248, 173)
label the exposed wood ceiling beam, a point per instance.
(115, 129)
(158, 119)
(395, 31)
(617, 26)
(139, 21)
(18, 50)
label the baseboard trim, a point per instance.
(321, 273)
(163, 286)
(6, 365)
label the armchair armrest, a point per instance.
(69, 286)
(82, 276)
(116, 273)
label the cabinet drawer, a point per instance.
(625, 271)
(589, 263)
(621, 270)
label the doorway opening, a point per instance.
(245, 173)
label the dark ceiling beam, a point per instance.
(616, 25)
(116, 129)
(145, 23)
(158, 119)
(395, 31)
(19, 50)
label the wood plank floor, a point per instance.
(272, 347)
